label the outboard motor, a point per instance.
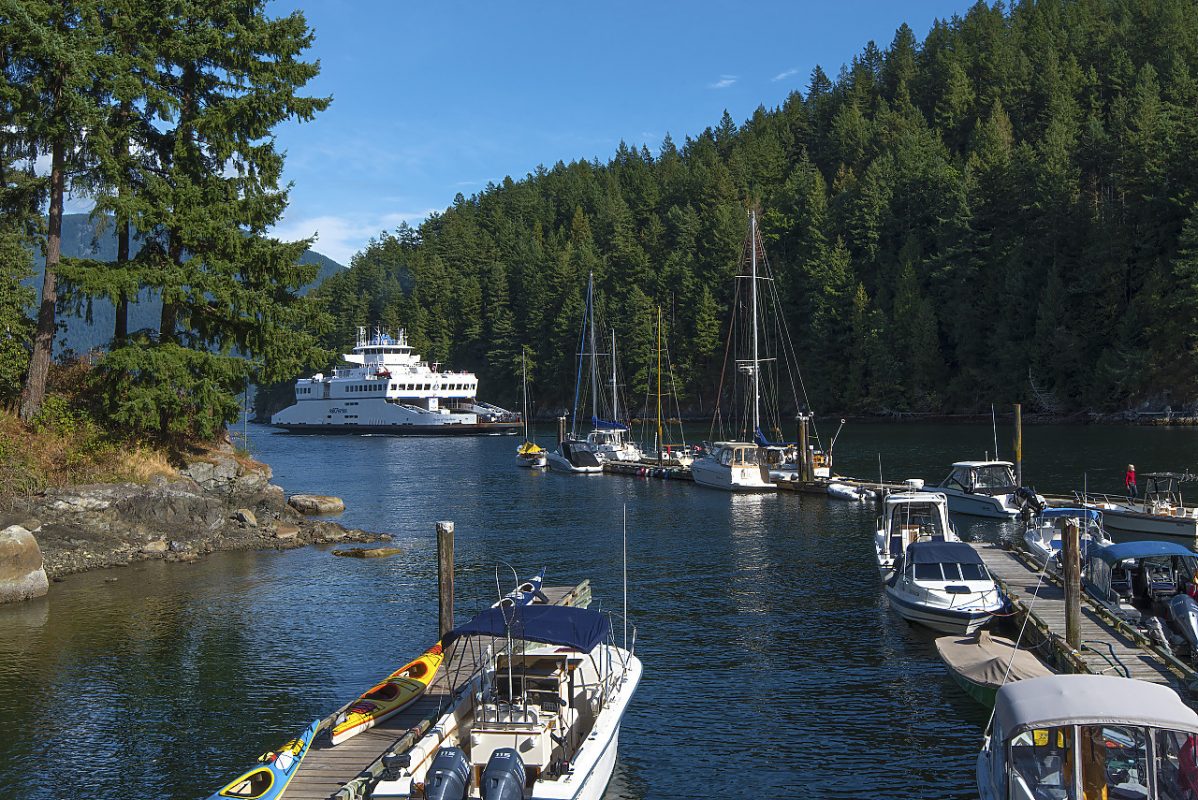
(449, 776)
(503, 779)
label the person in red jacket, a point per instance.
(1129, 480)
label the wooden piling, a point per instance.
(804, 472)
(561, 429)
(1018, 444)
(444, 577)
(1070, 554)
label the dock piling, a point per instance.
(444, 577)
(1073, 585)
(804, 471)
(1018, 444)
(561, 429)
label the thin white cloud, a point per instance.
(340, 237)
(723, 83)
(781, 76)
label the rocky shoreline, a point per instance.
(218, 501)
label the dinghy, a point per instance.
(981, 664)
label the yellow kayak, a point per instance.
(389, 697)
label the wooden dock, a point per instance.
(636, 469)
(1109, 646)
(326, 769)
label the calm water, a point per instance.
(773, 667)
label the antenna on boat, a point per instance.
(625, 577)
(994, 426)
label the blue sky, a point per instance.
(435, 98)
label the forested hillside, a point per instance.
(1004, 211)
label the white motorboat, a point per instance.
(986, 489)
(907, 518)
(851, 492)
(540, 720)
(944, 586)
(1114, 737)
(1043, 537)
(389, 389)
(1148, 584)
(1161, 511)
(734, 467)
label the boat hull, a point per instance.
(977, 505)
(404, 429)
(535, 462)
(730, 479)
(1135, 522)
(945, 620)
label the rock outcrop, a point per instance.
(222, 501)
(22, 574)
(316, 504)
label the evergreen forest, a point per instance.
(1005, 211)
(164, 114)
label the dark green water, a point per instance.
(773, 667)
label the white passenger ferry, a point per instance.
(388, 389)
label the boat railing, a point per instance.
(1098, 498)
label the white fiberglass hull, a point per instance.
(1119, 519)
(978, 505)
(559, 463)
(962, 619)
(710, 473)
(539, 461)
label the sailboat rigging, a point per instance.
(530, 454)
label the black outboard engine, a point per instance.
(503, 779)
(449, 776)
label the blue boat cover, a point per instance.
(579, 628)
(605, 424)
(942, 553)
(760, 440)
(1057, 513)
(1114, 553)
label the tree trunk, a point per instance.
(170, 311)
(121, 329)
(34, 391)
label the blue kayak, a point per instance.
(268, 780)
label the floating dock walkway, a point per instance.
(1109, 646)
(325, 770)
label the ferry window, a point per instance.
(1176, 756)
(928, 572)
(1040, 764)
(973, 572)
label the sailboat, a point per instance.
(530, 454)
(607, 440)
(664, 453)
(754, 462)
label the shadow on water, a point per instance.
(773, 666)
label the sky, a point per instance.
(435, 98)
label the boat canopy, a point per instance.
(1089, 699)
(1059, 513)
(942, 553)
(605, 424)
(579, 628)
(1114, 553)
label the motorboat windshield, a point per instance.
(739, 455)
(926, 518)
(982, 477)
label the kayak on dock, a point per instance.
(389, 697)
(268, 781)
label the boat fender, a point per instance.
(449, 776)
(503, 779)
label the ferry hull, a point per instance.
(398, 429)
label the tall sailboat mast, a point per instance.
(594, 357)
(524, 383)
(615, 394)
(660, 438)
(753, 294)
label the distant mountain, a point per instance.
(84, 332)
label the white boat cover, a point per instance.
(1089, 699)
(984, 658)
